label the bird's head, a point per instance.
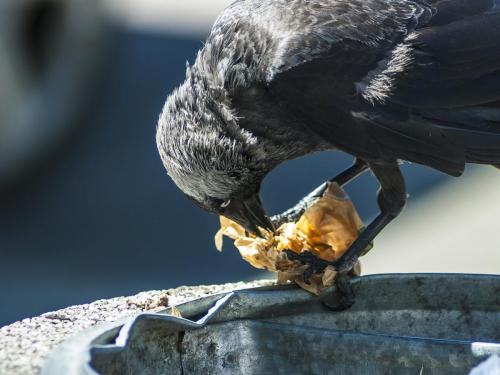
(214, 162)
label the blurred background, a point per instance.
(86, 208)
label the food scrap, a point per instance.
(327, 229)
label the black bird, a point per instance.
(383, 80)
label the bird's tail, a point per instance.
(476, 129)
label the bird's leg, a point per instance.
(391, 199)
(294, 213)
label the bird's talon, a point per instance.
(315, 264)
(343, 296)
(307, 276)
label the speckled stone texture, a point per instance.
(24, 345)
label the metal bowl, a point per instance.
(400, 324)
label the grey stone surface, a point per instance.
(24, 345)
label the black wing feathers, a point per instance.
(448, 11)
(422, 94)
(453, 65)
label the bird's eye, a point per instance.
(225, 204)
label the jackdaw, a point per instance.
(386, 81)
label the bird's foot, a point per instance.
(315, 265)
(344, 265)
(342, 296)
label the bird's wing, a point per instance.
(394, 70)
(358, 33)
(453, 64)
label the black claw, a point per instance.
(307, 275)
(306, 257)
(343, 297)
(315, 264)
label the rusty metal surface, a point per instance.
(405, 324)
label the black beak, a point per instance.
(250, 214)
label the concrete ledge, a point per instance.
(24, 345)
